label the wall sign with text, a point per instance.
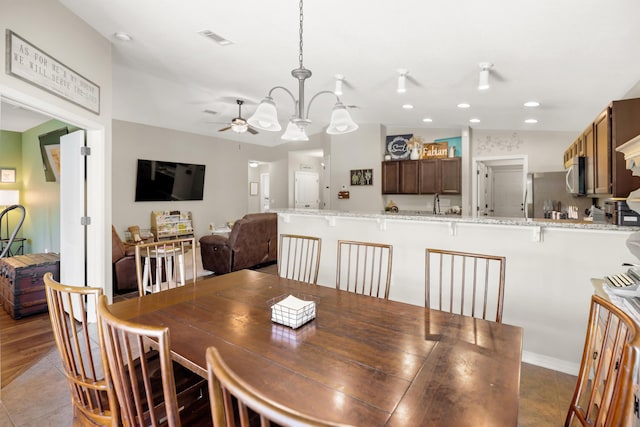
(34, 66)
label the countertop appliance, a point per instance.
(551, 186)
(617, 212)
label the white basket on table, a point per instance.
(292, 311)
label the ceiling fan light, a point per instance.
(341, 121)
(483, 79)
(338, 89)
(265, 117)
(294, 133)
(402, 81)
(239, 128)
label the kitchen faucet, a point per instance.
(436, 204)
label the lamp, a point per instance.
(483, 80)
(402, 80)
(9, 198)
(266, 116)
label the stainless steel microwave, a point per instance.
(577, 177)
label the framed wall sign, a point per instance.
(362, 177)
(26, 62)
(253, 188)
(7, 175)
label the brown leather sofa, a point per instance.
(253, 241)
(124, 265)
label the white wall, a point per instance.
(357, 150)
(62, 35)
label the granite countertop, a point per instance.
(427, 216)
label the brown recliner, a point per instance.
(124, 265)
(253, 241)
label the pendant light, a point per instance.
(266, 116)
(483, 79)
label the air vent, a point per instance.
(215, 37)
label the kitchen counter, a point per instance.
(427, 216)
(549, 265)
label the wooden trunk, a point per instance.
(22, 285)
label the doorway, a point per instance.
(306, 190)
(265, 203)
(499, 187)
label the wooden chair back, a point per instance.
(604, 393)
(465, 283)
(163, 265)
(364, 268)
(72, 311)
(142, 373)
(299, 257)
(234, 403)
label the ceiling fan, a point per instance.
(239, 124)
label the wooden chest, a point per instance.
(22, 285)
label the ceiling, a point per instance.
(572, 56)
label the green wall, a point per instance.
(11, 157)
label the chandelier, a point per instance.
(266, 116)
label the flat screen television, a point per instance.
(165, 181)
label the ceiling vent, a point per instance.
(215, 37)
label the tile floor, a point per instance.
(39, 397)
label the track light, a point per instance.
(339, 80)
(402, 80)
(483, 80)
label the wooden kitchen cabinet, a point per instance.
(409, 177)
(606, 171)
(391, 177)
(442, 176)
(428, 176)
(602, 153)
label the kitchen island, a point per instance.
(548, 270)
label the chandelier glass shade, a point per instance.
(266, 115)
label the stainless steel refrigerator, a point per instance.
(543, 186)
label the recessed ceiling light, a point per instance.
(532, 104)
(407, 106)
(427, 120)
(464, 105)
(474, 120)
(123, 37)
(531, 121)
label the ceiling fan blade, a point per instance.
(223, 129)
(251, 130)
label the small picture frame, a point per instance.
(253, 188)
(361, 176)
(7, 175)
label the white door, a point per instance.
(483, 190)
(306, 190)
(72, 210)
(507, 192)
(265, 204)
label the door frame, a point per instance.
(515, 160)
(98, 200)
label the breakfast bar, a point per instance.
(549, 265)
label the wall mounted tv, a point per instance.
(165, 181)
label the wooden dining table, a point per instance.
(362, 361)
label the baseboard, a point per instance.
(550, 363)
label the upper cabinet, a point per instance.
(605, 167)
(429, 176)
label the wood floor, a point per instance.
(29, 362)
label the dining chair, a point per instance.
(604, 393)
(470, 284)
(364, 268)
(236, 403)
(156, 391)
(162, 265)
(73, 324)
(299, 257)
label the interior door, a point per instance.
(307, 190)
(72, 210)
(483, 189)
(508, 193)
(265, 204)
